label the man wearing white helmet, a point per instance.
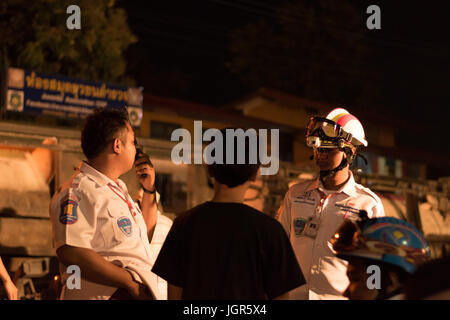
(313, 210)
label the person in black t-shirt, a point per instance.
(224, 249)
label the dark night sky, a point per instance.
(186, 39)
(190, 37)
(183, 48)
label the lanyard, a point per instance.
(130, 206)
(323, 197)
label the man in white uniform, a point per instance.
(96, 224)
(313, 210)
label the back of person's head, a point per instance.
(101, 128)
(430, 281)
(235, 174)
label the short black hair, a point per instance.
(100, 128)
(233, 175)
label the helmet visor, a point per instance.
(328, 127)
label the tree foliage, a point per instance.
(34, 36)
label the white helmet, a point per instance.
(349, 124)
(337, 129)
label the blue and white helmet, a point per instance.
(389, 240)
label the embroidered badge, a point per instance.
(125, 225)
(347, 210)
(305, 198)
(68, 213)
(299, 226)
(304, 202)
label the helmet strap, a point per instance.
(362, 157)
(325, 174)
(350, 154)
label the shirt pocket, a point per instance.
(334, 216)
(301, 212)
(123, 227)
(344, 210)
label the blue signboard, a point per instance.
(38, 93)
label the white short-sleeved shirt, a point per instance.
(325, 273)
(98, 214)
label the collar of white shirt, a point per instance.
(349, 188)
(98, 177)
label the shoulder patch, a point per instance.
(68, 213)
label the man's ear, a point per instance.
(117, 146)
(353, 150)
